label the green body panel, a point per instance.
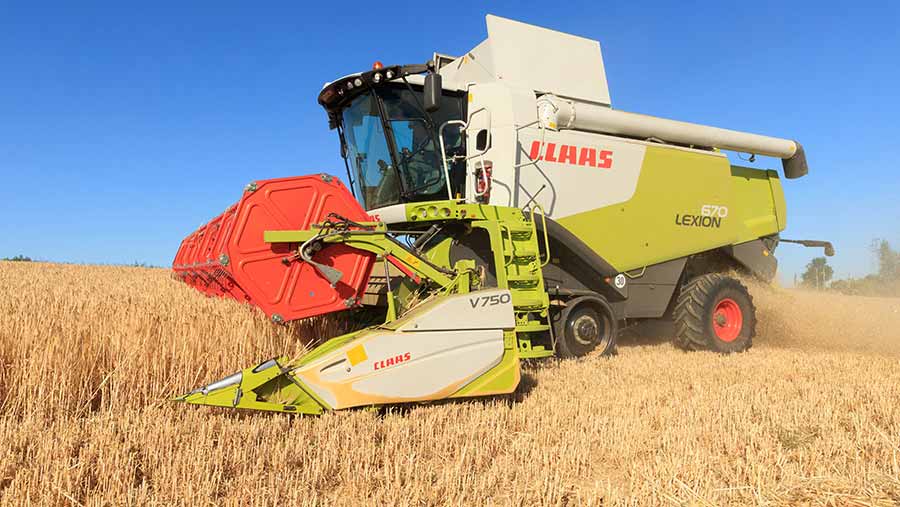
(375, 241)
(753, 206)
(674, 184)
(269, 389)
(778, 198)
(499, 379)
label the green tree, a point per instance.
(817, 273)
(888, 260)
(17, 258)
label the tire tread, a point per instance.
(691, 331)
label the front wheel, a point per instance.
(715, 312)
(586, 324)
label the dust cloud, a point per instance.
(793, 318)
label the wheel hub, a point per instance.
(586, 330)
(727, 320)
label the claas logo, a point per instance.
(573, 155)
(391, 361)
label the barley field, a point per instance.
(89, 357)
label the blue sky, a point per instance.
(123, 128)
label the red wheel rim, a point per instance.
(727, 320)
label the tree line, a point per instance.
(17, 258)
(884, 282)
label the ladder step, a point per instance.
(522, 279)
(521, 253)
(522, 304)
(521, 232)
(532, 327)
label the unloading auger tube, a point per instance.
(556, 113)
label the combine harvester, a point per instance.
(503, 211)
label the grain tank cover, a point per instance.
(536, 58)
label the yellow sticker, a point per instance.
(357, 355)
(412, 260)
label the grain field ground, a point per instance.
(89, 356)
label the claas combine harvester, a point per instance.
(503, 210)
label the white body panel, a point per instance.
(545, 60)
(575, 171)
(437, 360)
(430, 353)
(532, 57)
(389, 214)
(485, 309)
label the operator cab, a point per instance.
(389, 141)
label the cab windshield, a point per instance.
(391, 146)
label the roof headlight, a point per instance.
(357, 82)
(389, 74)
(377, 77)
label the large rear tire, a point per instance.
(715, 312)
(586, 324)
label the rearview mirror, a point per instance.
(432, 92)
